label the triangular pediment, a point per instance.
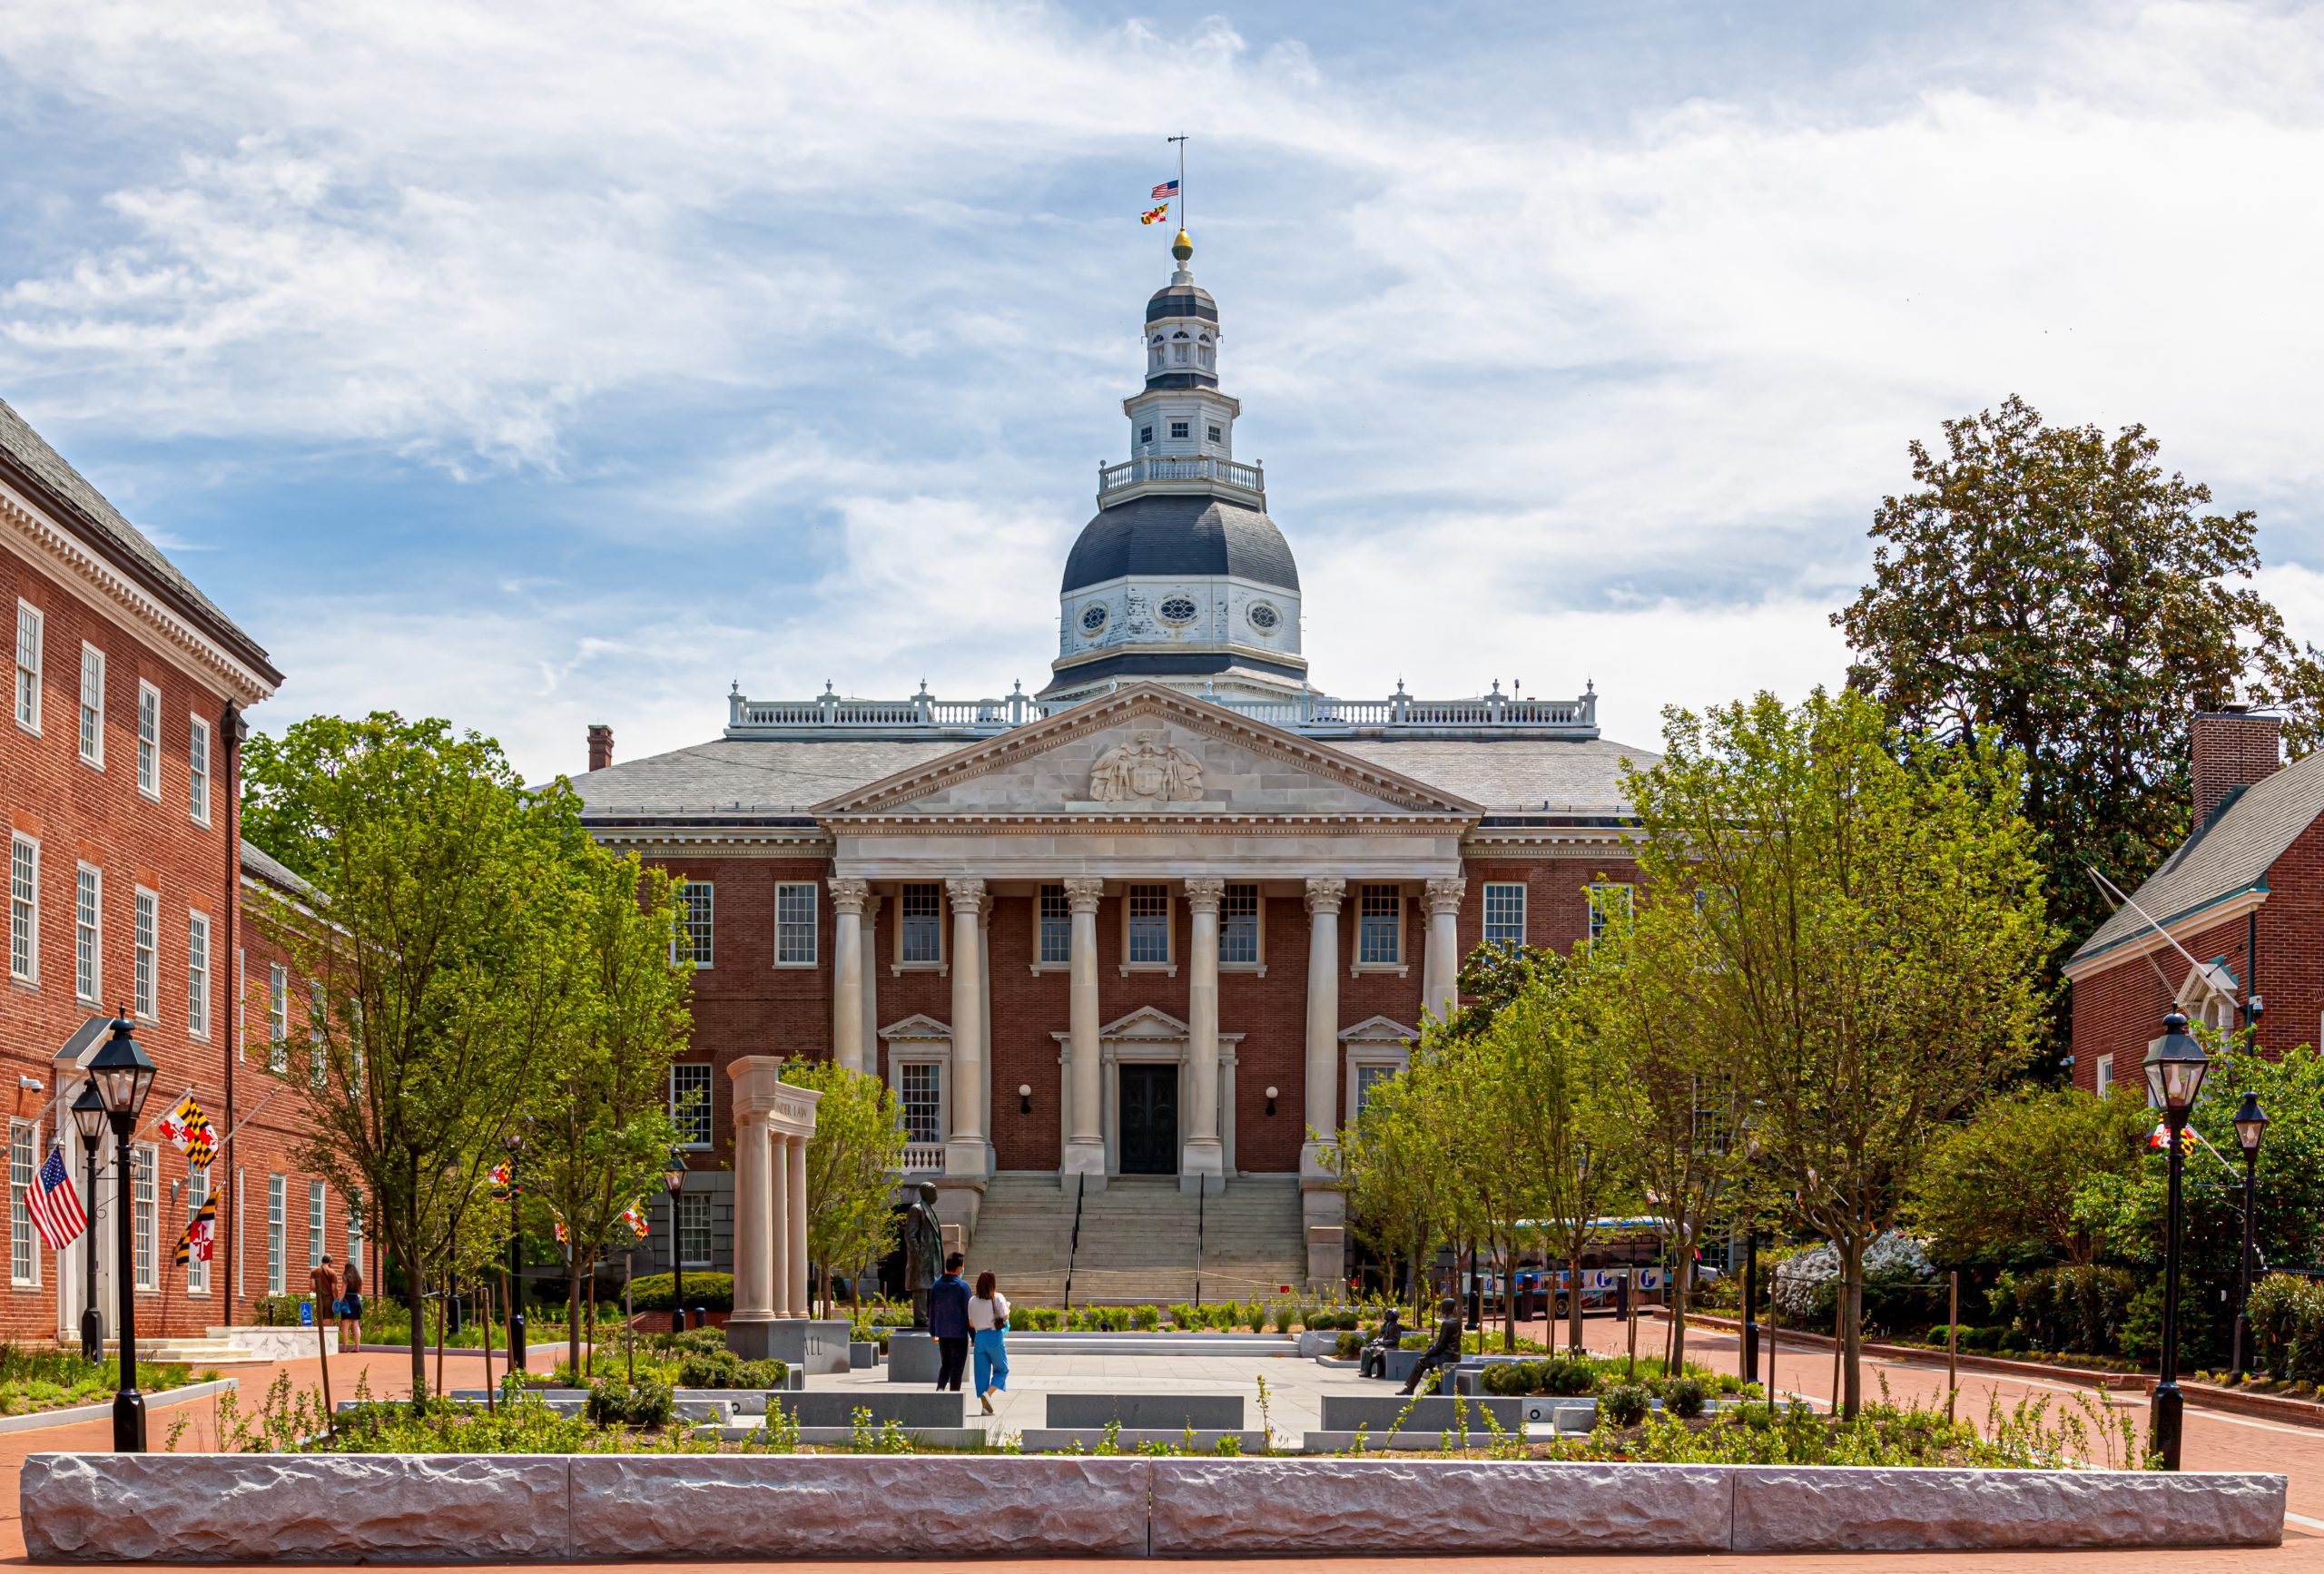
(1379, 1030)
(1145, 750)
(917, 1027)
(1145, 1022)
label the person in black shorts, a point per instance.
(351, 1306)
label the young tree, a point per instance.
(854, 1162)
(1397, 1180)
(433, 882)
(2001, 1187)
(607, 1011)
(2052, 587)
(1875, 941)
(1477, 1098)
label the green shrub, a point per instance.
(645, 1402)
(1348, 1346)
(2286, 1314)
(2066, 1307)
(653, 1292)
(1683, 1397)
(1624, 1404)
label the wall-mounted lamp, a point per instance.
(1270, 1100)
(1024, 1099)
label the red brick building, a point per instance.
(2243, 897)
(118, 762)
(1155, 928)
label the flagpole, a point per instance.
(1182, 181)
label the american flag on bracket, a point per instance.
(54, 1205)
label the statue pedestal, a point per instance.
(912, 1356)
(806, 1343)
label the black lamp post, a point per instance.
(515, 1146)
(2251, 1123)
(2175, 1064)
(1749, 1365)
(89, 1117)
(123, 1076)
(674, 1181)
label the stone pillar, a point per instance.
(962, 1185)
(850, 1032)
(801, 1300)
(1441, 972)
(984, 1028)
(1323, 1207)
(1085, 1153)
(869, 927)
(778, 1216)
(754, 1077)
(1202, 1165)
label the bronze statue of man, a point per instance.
(923, 1251)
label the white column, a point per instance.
(1085, 1154)
(1320, 1097)
(964, 1145)
(755, 1231)
(800, 1301)
(1203, 1163)
(984, 1026)
(849, 1035)
(869, 926)
(1441, 972)
(778, 1216)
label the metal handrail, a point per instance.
(1073, 1247)
(1202, 1202)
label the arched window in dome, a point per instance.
(1153, 355)
(1179, 349)
(1202, 352)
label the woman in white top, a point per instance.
(988, 1328)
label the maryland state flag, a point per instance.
(503, 1188)
(1154, 215)
(637, 1223)
(2159, 1139)
(194, 1240)
(191, 1131)
(563, 1235)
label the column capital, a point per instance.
(849, 896)
(984, 909)
(1083, 894)
(1325, 895)
(967, 895)
(1445, 895)
(1204, 895)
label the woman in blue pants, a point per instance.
(989, 1329)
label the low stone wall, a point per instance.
(513, 1509)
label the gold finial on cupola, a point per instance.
(1183, 248)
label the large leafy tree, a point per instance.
(2000, 1188)
(2055, 587)
(1874, 928)
(1398, 1180)
(435, 886)
(853, 1161)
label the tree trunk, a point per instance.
(1852, 1324)
(1573, 1294)
(573, 1319)
(413, 1286)
(1507, 1298)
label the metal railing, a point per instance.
(1166, 468)
(1201, 1198)
(1073, 1246)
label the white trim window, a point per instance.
(28, 648)
(920, 1089)
(694, 1229)
(318, 1025)
(149, 740)
(1610, 904)
(1146, 920)
(690, 1103)
(1380, 926)
(92, 706)
(277, 1201)
(145, 955)
(278, 1018)
(1054, 940)
(318, 1230)
(197, 1192)
(2104, 1067)
(197, 771)
(794, 924)
(1238, 927)
(24, 909)
(354, 1211)
(144, 1216)
(197, 974)
(1504, 913)
(88, 934)
(920, 921)
(692, 917)
(1369, 1075)
(24, 1163)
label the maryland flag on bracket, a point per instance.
(190, 1131)
(2159, 1139)
(502, 1188)
(1154, 215)
(194, 1240)
(637, 1223)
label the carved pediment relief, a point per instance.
(1147, 769)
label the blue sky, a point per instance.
(536, 365)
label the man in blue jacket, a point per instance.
(948, 1319)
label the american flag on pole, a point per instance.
(1166, 189)
(54, 1205)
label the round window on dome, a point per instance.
(1093, 618)
(1176, 609)
(1264, 617)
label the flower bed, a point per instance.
(33, 1380)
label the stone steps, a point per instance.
(1139, 1240)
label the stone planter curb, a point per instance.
(162, 1399)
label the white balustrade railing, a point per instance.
(1320, 714)
(921, 1157)
(1181, 467)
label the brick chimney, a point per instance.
(2232, 747)
(601, 744)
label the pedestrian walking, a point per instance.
(988, 1327)
(948, 1319)
(350, 1305)
(323, 1280)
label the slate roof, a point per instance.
(2229, 855)
(27, 451)
(262, 865)
(1176, 536)
(1506, 775)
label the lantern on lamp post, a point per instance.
(122, 1076)
(2250, 1125)
(89, 1119)
(674, 1181)
(2175, 1064)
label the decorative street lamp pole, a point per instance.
(1750, 1366)
(124, 1077)
(674, 1180)
(2251, 1123)
(89, 1117)
(515, 1146)
(2175, 1064)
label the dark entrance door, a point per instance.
(1149, 1112)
